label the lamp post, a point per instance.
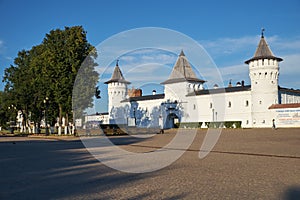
(12, 109)
(46, 100)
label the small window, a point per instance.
(194, 106)
(229, 104)
(247, 122)
(210, 105)
(260, 102)
(247, 103)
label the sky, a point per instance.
(228, 31)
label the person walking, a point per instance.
(273, 124)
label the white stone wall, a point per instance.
(233, 106)
(104, 119)
(147, 112)
(287, 98)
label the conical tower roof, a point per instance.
(182, 71)
(117, 76)
(263, 51)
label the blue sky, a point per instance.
(228, 30)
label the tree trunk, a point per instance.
(66, 124)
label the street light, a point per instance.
(12, 110)
(46, 100)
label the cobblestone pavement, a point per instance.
(244, 164)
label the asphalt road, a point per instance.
(244, 164)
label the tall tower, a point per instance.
(181, 82)
(117, 89)
(263, 72)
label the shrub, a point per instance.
(188, 125)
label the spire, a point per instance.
(182, 71)
(181, 53)
(263, 51)
(117, 75)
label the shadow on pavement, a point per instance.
(62, 169)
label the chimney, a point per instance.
(135, 92)
(153, 92)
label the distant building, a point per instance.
(186, 100)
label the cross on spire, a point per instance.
(262, 32)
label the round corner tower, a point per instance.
(263, 72)
(117, 88)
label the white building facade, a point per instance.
(186, 101)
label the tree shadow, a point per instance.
(63, 169)
(292, 193)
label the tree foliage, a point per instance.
(49, 70)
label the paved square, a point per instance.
(244, 164)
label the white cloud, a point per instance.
(290, 64)
(236, 73)
(225, 46)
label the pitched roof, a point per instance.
(290, 105)
(144, 98)
(182, 71)
(117, 76)
(289, 90)
(263, 51)
(220, 90)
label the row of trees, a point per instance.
(44, 77)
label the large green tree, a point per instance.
(49, 70)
